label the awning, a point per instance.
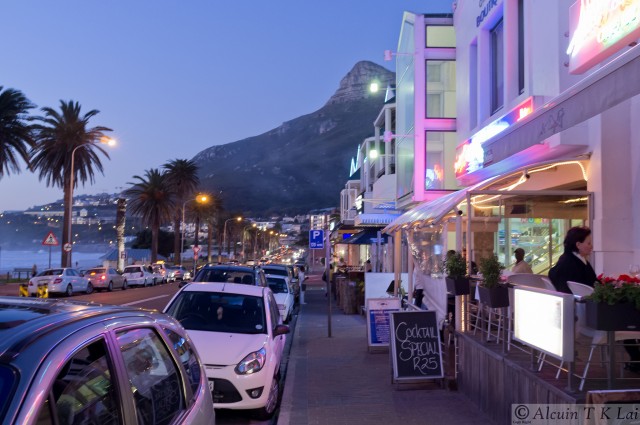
(366, 237)
(378, 220)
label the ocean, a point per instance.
(12, 259)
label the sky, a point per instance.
(172, 78)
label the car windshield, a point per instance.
(222, 275)
(219, 312)
(95, 271)
(276, 270)
(277, 286)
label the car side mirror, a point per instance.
(281, 330)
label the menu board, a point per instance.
(415, 346)
(378, 320)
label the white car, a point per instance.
(62, 281)
(238, 331)
(283, 295)
(138, 275)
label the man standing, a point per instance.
(520, 266)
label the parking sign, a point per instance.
(316, 239)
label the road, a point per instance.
(157, 297)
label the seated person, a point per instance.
(520, 266)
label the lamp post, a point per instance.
(224, 235)
(201, 199)
(103, 140)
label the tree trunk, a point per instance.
(209, 241)
(65, 261)
(178, 243)
(121, 210)
(155, 231)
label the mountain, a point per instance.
(304, 163)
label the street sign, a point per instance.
(316, 239)
(196, 250)
(50, 240)
(67, 247)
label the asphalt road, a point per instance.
(157, 297)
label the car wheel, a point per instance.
(124, 285)
(69, 290)
(110, 287)
(269, 409)
(89, 288)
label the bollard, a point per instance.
(23, 291)
(43, 290)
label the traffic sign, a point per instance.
(50, 240)
(67, 247)
(196, 250)
(316, 239)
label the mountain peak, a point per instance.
(355, 85)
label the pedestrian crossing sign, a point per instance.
(50, 240)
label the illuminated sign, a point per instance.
(470, 155)
(544, 320)
(600, 28)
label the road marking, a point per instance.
(147, 299)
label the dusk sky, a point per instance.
(172, 78)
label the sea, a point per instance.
(12, 259)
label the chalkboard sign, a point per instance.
(378, 321)
(415, 346)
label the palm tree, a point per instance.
(15, 134)
(57, 136)
(205, 212)
(151, 198)
(182, 178)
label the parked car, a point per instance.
(84, 363)
(159, 274)
(232, 274)
(160, 268)
(60, 281)
(238, 329)
(284, 270)
(106, 278)
(138, 275)
(181, 273)
(283, 295)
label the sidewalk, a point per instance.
(336, 381)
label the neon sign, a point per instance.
(470, 154)
(600, 28)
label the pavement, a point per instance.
(336, 381)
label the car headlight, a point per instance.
(252, 363)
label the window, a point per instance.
(441, 88)
(84, 391)
(497, 67)
(275, 313)
(188, 358)
(154, 378)
(440, 36)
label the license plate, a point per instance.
(210, 385)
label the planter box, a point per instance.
(617, 317)
(458, 286)
(497, 297)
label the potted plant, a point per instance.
(456, 279)
(491, 291)
(614, 304)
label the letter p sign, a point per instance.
(316, 239)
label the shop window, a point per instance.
(440, 36)
(497, 67)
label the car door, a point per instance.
(278, 341)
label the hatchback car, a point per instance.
(106, 278)
(284, 270)
(65, 362)
(138, 275)
(238, 331)
(181, 273)
(61, 281)
(283, 295)
(246, 275)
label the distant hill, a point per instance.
(304, 163)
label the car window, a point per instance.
(154, 378)
(95, 271)
(131, 269)
(219, 312)
(277, 285)
(188, 358)
(221, 275)
(275, 270)
(7, 380)
(275, 313)
(84, 391)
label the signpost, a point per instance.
(196, 251)
(316, 239)
(50, 240)
(415, 346)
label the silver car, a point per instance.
(106, 278)
(65, 362)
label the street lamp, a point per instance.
(103, 140)
(201, 199)
(224, 236)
